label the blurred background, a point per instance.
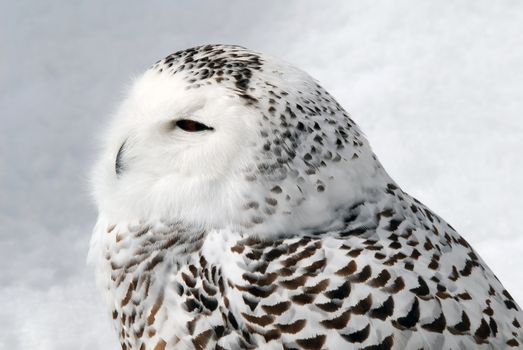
(436, 86)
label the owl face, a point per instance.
(176, 152)
(222, 136)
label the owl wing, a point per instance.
(388, 287)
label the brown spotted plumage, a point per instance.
(312, 246)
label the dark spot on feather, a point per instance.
(507, 294)
(292, 328)
(438, 325)
(219, 331)
(483, 330)
(363, 275)
(208, 288)
(380, 280)
(294, 283)
(191, 304)
(261, 292)
(358, 336)
(221, 285)
(314, 343)
(337, 322)
(293, 260)
(201, 340)
(304, 298)
(454, 274)
(209, 303)
(392, 187)
(462, 327)
(488, 310)
(384, 310)
(362, 306)
(273, 254)
(238, 249)
(331, 306)
(422, 289)
(255, 254)
(318, 288)
(251, 303)
(232, 320)
(193, 270)
(341, 292)
(260, 280)
(395, 245)
(386, 344)
(259, 320)
(493, 326)
(191, 283)
(315, 266)
(128, 294)
(512, 342)
(271, 201)
(412, 317)
(276, 189)
(415, 254)
(354, 232)
(155, 261)
(285, 272)
(396, 286)
(428, 245)
(349, 269)
(511, 305)
(467, 269)
(191, 325)
(433, 264)
(277, 309)
(464, 296)
(394, 224)
(355, 252)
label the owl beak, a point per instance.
(119, 166)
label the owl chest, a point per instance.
(162, 300)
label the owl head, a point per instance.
(220, 136)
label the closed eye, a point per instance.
(192, 125)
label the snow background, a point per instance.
(436, 86)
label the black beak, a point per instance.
(118, 165)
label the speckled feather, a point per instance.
(320, 249)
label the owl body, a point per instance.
(241, 208)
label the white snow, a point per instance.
(436, 86)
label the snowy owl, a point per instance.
(240, 207)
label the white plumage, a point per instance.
(241, 207)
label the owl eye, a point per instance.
(192, 125)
